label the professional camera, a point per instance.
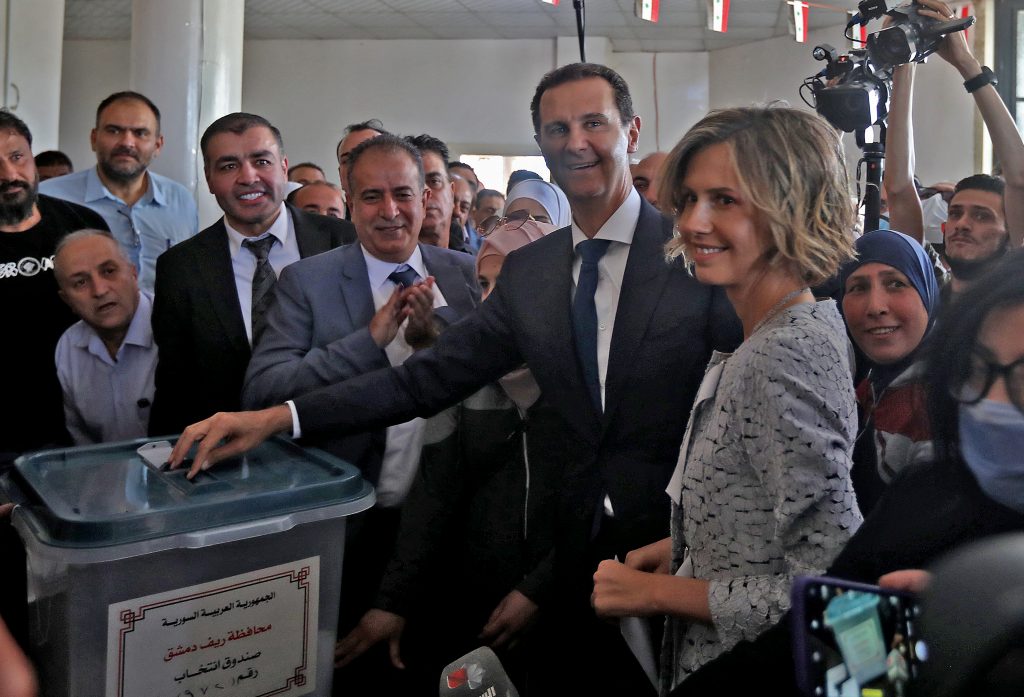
(911, 37)
(850, 92)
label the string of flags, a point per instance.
(718, 16)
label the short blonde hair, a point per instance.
(790, 165)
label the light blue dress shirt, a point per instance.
(164, 216)
(108, 399)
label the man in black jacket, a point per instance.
(213, 289)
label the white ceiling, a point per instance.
(681, 27)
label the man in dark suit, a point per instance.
(616, 337)
(212, 290)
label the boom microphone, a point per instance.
(477, 674)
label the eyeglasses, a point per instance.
(512, 221)
(982, 374)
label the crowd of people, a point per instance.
(657, 390)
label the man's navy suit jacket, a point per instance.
(666, 325)
(318, 333)
(198, 326)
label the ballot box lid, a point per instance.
(103, 495)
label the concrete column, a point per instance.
(186, 55)
(33, 41)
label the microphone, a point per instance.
(477, 674)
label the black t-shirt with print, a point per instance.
(34, 317)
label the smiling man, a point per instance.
(147, 213)
(345, 313)
(212, 291)
(618, 347)
(105, 361)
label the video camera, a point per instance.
(852, 91)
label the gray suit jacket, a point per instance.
(318, 330)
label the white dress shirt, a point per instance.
(243, 262)
(610, 269)
(403, 441)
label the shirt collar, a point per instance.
(140, 332)
(378, 271)
(281, 229)
(95, 190)
(619, 227)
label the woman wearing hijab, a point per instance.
(543, 201)
(472, 562)
(890, 299)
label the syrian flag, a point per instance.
(718, 15)
(859, 32)
(647, 9)
(798, 20)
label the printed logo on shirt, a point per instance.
(471, 674)
(29, 266)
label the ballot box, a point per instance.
(142, 583)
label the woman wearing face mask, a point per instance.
(472, 560)
(973, 490)
(889, 299)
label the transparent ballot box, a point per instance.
(144, 584)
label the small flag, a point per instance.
(798, 20)
(859, 32)
(647, 9)
(718, 15)
(965, 10)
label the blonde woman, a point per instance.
(762, 491)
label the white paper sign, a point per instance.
(244, 636)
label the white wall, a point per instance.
(475, 94)
(773, 69)
(91, 70)
(679, 82)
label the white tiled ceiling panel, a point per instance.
(681, 27)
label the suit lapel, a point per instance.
(219, 276)
(308, 235)
(355, 286)
(643, 283)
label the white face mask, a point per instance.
(934, 210)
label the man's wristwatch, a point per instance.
(985, 77)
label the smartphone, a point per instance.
(854, 640)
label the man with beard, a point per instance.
(976, 231)
(986, 213)
(34, 316)
(213, 291)
(147, 213)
